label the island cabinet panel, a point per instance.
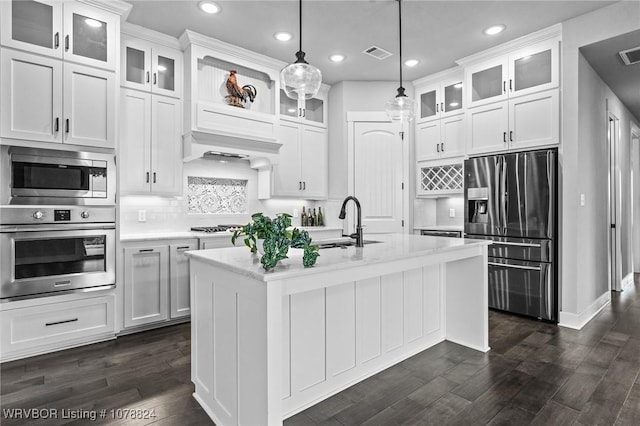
(392, 317)
(341, 329)
(307, 339)
(368, 320)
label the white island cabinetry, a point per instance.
(266, 345)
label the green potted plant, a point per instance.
(276, 238)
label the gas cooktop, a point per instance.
(216, 228)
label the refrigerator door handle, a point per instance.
(503, 195)
(517, 244)
(506, 265)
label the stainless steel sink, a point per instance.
(343, 244)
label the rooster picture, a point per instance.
(238, 94)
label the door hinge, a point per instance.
(403, 223)
(401, 135)
(402, 186)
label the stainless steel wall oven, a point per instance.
(46, 250)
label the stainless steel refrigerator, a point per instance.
(511, 199)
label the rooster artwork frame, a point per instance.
(238, 95)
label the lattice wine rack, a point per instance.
(441, 179)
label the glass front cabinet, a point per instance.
(440, 100)
(150, 67)
(69, 30)
(528, 70)
(311, 111)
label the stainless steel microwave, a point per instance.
(43, 176)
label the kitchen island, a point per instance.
(266, 345)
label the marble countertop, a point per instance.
(390, 247)
(173, 235)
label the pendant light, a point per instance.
(401, 107)
(300, 80)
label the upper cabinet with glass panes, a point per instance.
(440, 99)
(151, 67)
(67, 30)
(528, 70)
(311, 111)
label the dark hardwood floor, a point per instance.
(536, 373)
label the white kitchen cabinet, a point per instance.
(440, 99)
(529, 121)
(37, 108)
(150, 144)
(151, 67)
(218, 242)
(179, 278)
(302, 169)
(146, 284)
(156, 281)
(444, 138)
(66, 30)
(311, 111)
(44, 325)
(525, 71)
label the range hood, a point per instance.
(261, 154)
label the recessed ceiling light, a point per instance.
(336, 57)
(494, 29)
(411, 62)
(283, 36)
(209, 7)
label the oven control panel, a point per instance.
(62, 215)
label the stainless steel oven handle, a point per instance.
(51, 227)
(516, 244)
(505, 265)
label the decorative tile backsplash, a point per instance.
(207, 195)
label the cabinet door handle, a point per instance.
(56, 40)
(145, 250)
(304, 185)
(304, 112)
(147, 76)
(155, 80)
(437, 107)
(147, 177)
(504, 137)
(299, 185)
(504, 86)
(511, 135)
(49, 324)
(182, 248)
(66, 43)
(441, 106)
(511, 85)
(154, 177)
(442, 147)
(66, 125)
(299, 112)
(437, 147)
(56, 125)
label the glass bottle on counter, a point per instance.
(312, 219)
(303, 218)
(320, 217)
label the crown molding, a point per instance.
(554, 31)
(143, 33)
(115, 6)
(192, 38)
(437, 77)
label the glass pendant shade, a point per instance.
(300, 80)
(401, 108)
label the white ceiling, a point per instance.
(435, 32)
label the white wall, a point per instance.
(635, 193)
(579, 151)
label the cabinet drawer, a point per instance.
(56, 323)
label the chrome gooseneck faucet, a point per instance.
(343, 213)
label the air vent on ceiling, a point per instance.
(377, 52)
(630, 56)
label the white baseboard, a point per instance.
(627, 281)
(577, 321)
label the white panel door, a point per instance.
(166, 145)
(31, 101)
(313, 162)
(378, 171)
(179, 278)
(89, 106)
(286, 173)
(487, 127)
(534, 120)
(146, 285)
(134, 144)
(428, 140)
